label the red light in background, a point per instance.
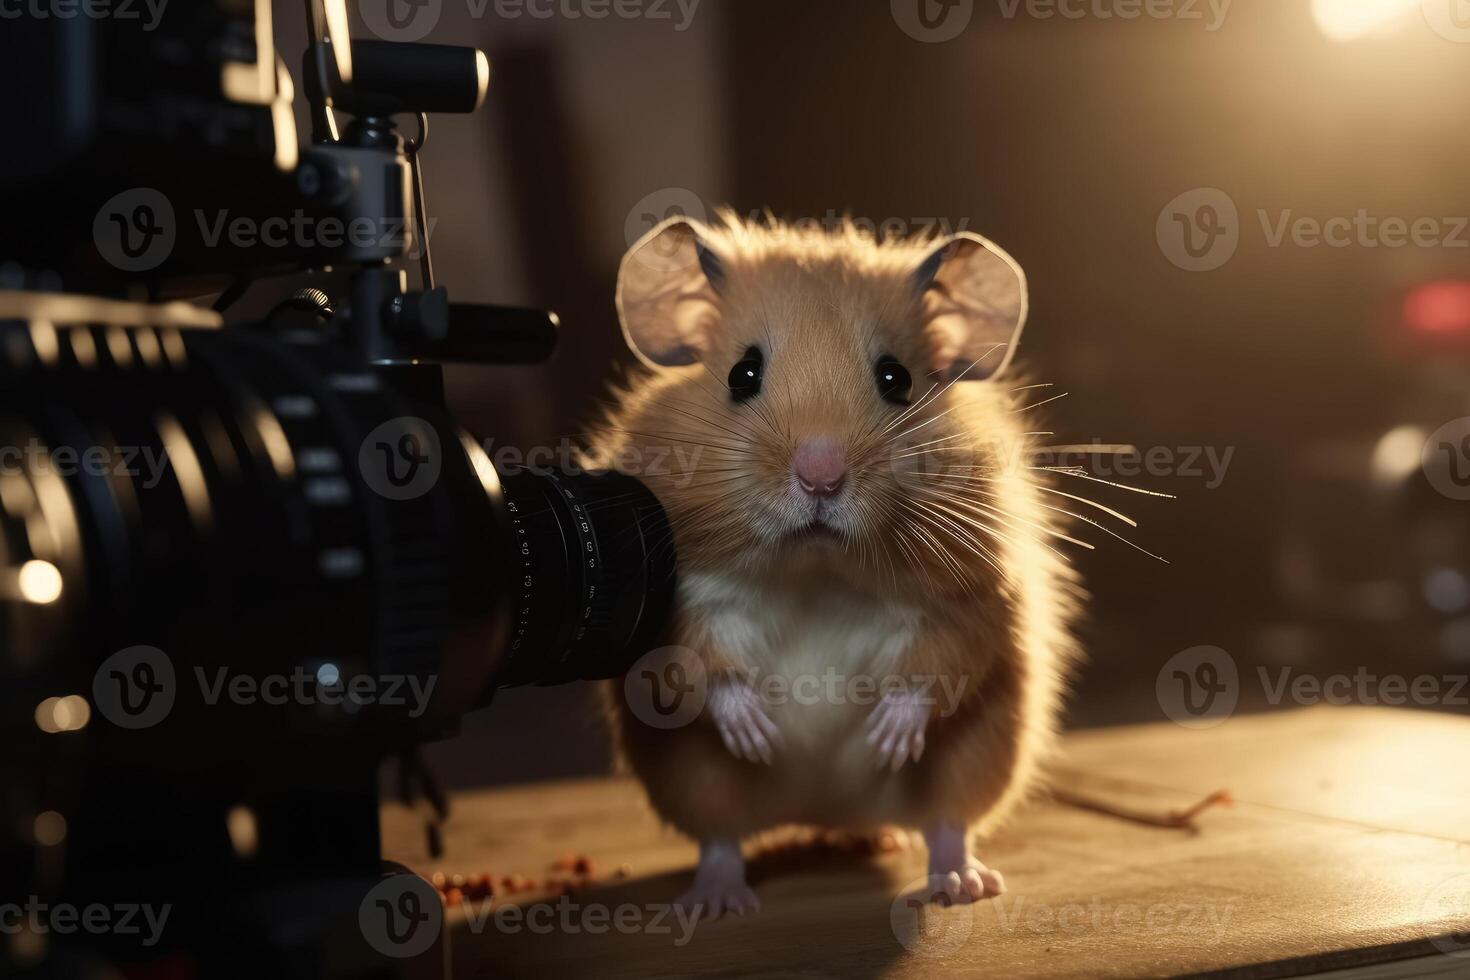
(1438, 308)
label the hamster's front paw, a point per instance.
(741, 719)
(896, 729)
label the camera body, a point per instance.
(241, 565)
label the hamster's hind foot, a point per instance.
(719, 882)
(954, 874)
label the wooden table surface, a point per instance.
(1348, 846)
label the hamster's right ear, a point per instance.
(668, 293)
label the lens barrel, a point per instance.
(254, 503)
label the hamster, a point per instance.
(866, 559)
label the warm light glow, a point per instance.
(1346, 20)
(1438, 308)
(39, 582)
(243, 830)
(49, 828)
(1397, 455)
(66, 714)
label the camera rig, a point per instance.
(230, 551)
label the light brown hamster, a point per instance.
(866, 561)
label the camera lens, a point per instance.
(251, 502)
(592, 567)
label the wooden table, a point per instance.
(1348, 849)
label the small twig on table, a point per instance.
(1173, 820)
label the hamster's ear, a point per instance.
(975, 300)
(668, 292)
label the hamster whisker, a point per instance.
(1010, 520)
(965, 537)
(1008, 517)
(912, 429)
(1103, 528)
(1044, 401)
(712, 423)
(970, 480)
(946, 558)
(740, 450)
(1082, 474)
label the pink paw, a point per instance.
(896, 730)
(741, 719)
(970, 882)
(712, 899)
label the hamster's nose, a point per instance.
(820, 465)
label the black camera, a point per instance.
(241, 564)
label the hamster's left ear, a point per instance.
(668, 293)
(975, 300)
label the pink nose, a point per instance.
(820, 465)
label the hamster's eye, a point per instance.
(745, 376)
(894, 383)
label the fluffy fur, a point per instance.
(937, 560)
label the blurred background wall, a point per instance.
(1159, 176)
